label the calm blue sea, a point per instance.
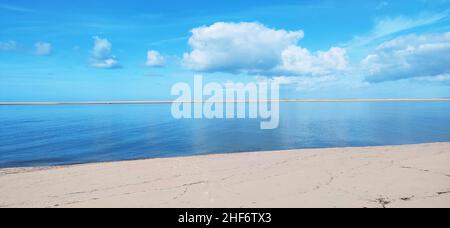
(72, 134)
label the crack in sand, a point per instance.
(152, 190)
(386, 201)
(182, 186)
(185, 185)
(437, 195)
(407, 198)
(443, 193)
(421, 170)
(425, 170)
(181, 195)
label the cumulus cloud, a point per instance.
(411, 56)
(42, 49)
(300, 61)
(238, 47)
(8, 46)
(253, 48)
(101, 56)
(155, 59)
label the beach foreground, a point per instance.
(391, 176)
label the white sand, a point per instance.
(400, 176)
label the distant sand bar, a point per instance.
(206, 101)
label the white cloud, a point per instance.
(155, 59)
(101, 56)
(389, 26)
(8, 46)
(444, 78)
(409, 56)
(253, 48)
(42, 49)
(300, 61)
(238, 47)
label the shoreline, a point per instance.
(48, 167)
(387, 176)
(208, 101)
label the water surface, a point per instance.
(72, 134)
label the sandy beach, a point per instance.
(391, 176)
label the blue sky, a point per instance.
(136, 50)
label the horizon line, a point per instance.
(349, 100)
